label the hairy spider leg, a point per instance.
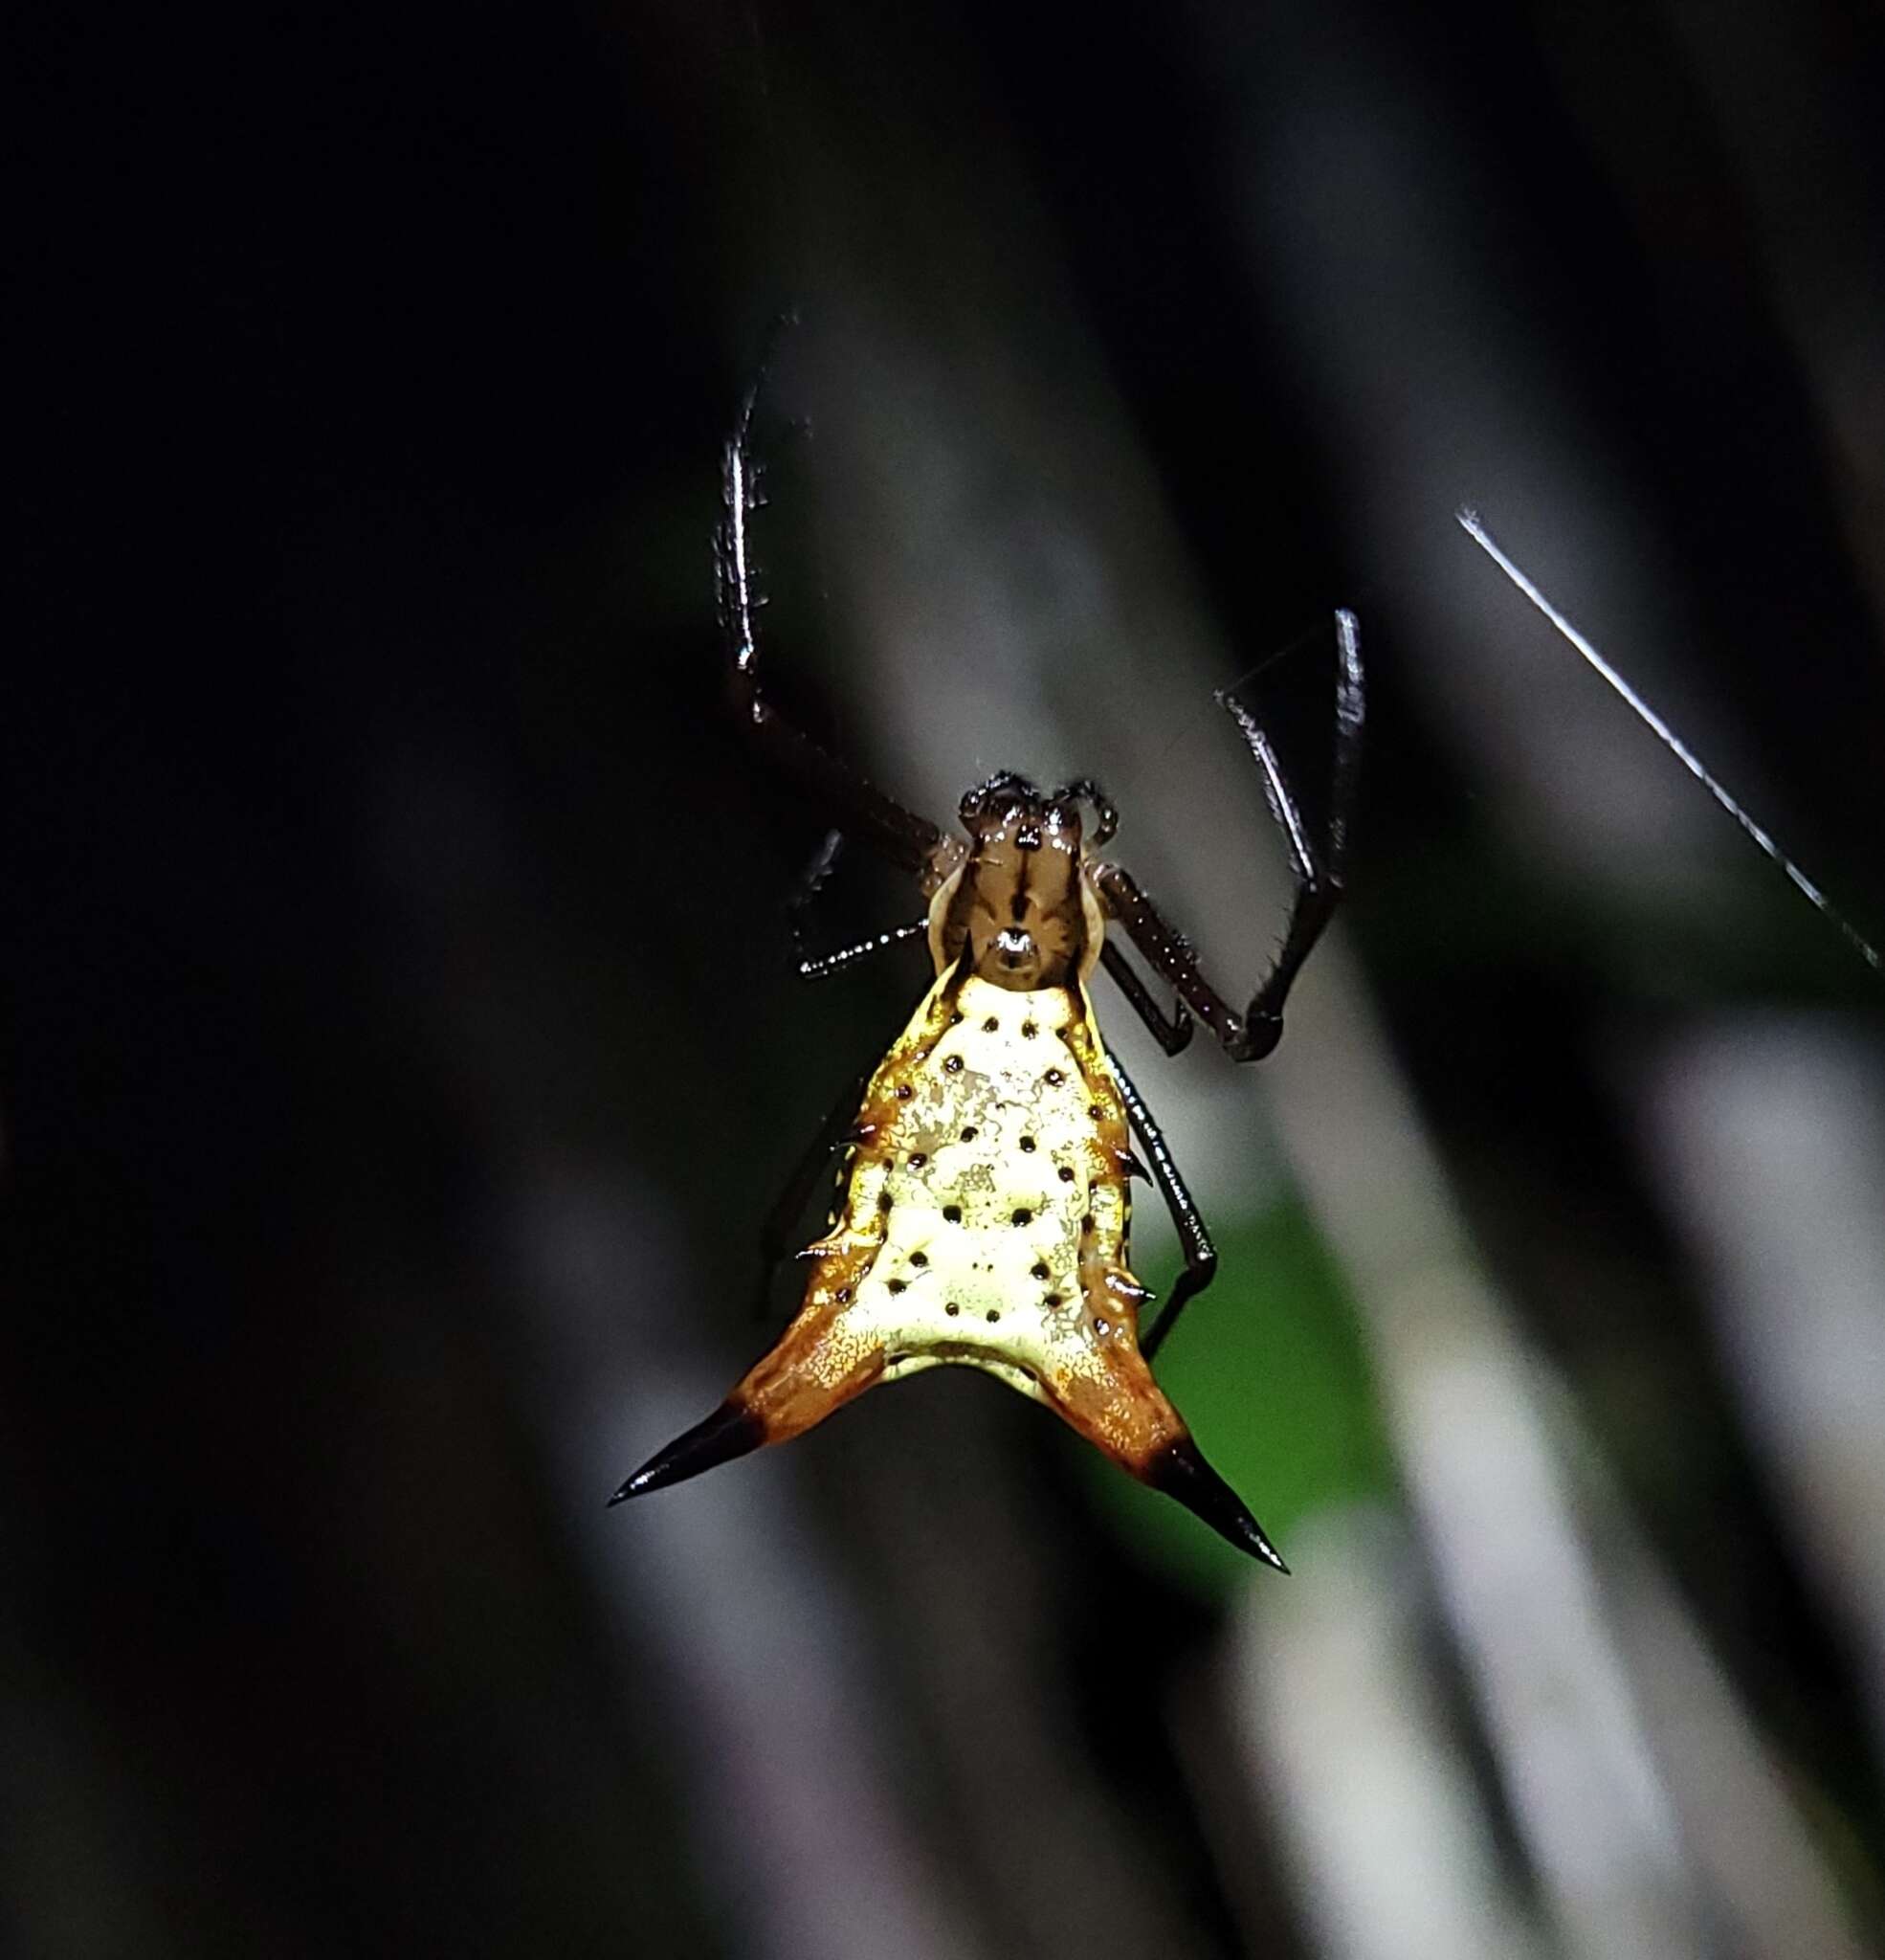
(822, 966)
(907, 839)
(1173, 1035)
(1253, 1034)
(1194, 1241)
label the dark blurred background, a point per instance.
(402, 1046)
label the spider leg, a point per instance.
(1173, 1035)
(779, 1233)
(1320, 881)
(1318, 870)
(1167, 952)
(906, 838)
(821, 965)
(1182, 1472)
(1200, 1254)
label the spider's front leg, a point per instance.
(846, 798)
(1319, 872)
(821, 965)
(1173, 1035)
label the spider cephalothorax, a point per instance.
(985, 1210)
(1020, 908)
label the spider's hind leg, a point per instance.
(1200, 1254)
(1180, 1471)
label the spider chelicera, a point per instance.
(985, 1211)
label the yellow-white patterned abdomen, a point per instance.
(984, 1221)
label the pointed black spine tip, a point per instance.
(730, 1431)
(1180, 1471)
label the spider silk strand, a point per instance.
(1470, 522)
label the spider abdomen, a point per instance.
(984, 1223)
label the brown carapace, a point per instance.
(986, 1208)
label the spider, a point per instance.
(984, 1214)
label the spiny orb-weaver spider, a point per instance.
(985, 1211)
